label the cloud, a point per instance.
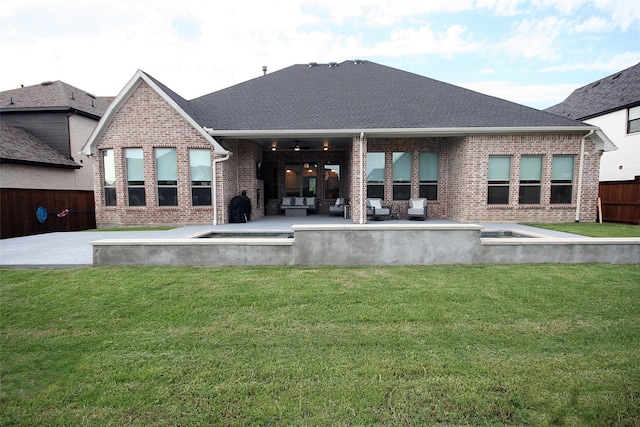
(535, 39)
(534, 95)
(610, 64)
(423, 41)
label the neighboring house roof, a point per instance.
(20, 147)
(359, 95)
(174, 100)
(53, 96)
(615, 92)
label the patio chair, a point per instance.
(376, 211)
(338, 208)
(417, 209)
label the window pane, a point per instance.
(401, 191)
(135, 166)
(429, 191)
(109, 166)
(531, 168)
(429, 166)
(167, 196)
(562, 169)
(110, 196)
(499, 169)
(401, 167)
(201, 196)
(634, 113)
(331, 181)
(375, 191)
(498, 195)
(375, 167)
(166, 166)
(561, 194)
(200, 167)
(136, 196)
(529, 195)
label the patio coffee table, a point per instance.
(295, 211)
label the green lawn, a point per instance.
(447, 345)
(593, 229)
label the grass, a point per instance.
(606, 229)
(437, 345)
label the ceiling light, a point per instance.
(296, 148)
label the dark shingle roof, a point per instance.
(615, 92)
(19, 146)
(358, 95)
(53, 96)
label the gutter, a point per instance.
(386, 132)
(362, 202)
(580, 173)
(215, 187)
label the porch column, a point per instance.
(358, 179)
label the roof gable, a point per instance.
(359, 95)
(615, 92)
(174, 100)
(53, 96)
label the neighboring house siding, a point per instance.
(624, 163)
(38, 177)
(146, 121)
(80, 129)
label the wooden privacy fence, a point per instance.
(621, 201)
(18, 211)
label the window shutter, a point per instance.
(562, 168)
(499, 168)
(401, 167)
(166, 164)
(531, 168)
(429, 166)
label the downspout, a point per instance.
(362, 204)
(215, 187)
(580, 173)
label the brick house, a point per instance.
(355, 129)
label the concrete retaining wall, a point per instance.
(394, 244)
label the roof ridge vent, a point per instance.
(47, 83)
(332, 64)
(313, 64)
(358, 61)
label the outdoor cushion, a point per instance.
(299, 201)
(375, 203)
(417, 204)
(286, 201)
(310, 201)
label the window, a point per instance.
(200, 176)
(530, 180)
(401, 176)
(331, 181)
(429, 175)
(167, 176)
(499, 179)
(300, 179)
(562, 179)
(135, 176)
(634, 120)
(109, 172)
(375, 175)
